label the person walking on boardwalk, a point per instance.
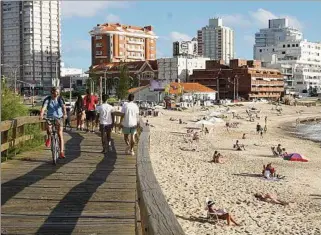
(56, 109)
(129, 123)
(90, 102)
(106, 120)
(78, 111)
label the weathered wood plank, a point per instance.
(89, 193)
(156, 215)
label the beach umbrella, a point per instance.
(216, 120)
(295, 157)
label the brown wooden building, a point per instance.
(242, 78)
(141, 71)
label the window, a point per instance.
(99, 37)
(293, 45)
(283, 52)
(297, 45)
(99, 52)
(289, 45)
(98, 45)
(283, 46)
(260, 50)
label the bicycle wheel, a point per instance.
(54, 149)
(57, 147)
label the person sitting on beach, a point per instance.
(206, 131)
(239, 146)
(172, 119)
(243, 137)
(196, 136)
(274, 152)
(220, 214)
(214, 156)
(258, 128)
(284, 152)
(270, 198)
(268, 171)
(279, 149)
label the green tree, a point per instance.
(11, 104)
(123, 85)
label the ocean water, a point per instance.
(310, 131)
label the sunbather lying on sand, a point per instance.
(220, 214)
(172, 119)
(187, 149)
(270, 198)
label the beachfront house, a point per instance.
(183, 92)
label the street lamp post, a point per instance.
(14, 70)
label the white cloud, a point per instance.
(111, 18)
(262, 17)
(88, 8)
(176, 36)
(259, 18)
(237, 20)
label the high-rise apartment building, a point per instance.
(30, 47)
(185, 48)
(216, 41)
(118, 42)
(283, 47)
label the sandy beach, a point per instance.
(187, 178)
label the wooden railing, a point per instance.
(13, 131)
(156, 215)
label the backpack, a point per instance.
(61, 101)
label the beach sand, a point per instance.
(187, 178)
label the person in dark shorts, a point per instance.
(90, 102)
(106, 120)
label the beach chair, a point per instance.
(274, 152)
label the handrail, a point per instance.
(156, 215)
(13, 131)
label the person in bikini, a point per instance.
(270, 198)
(221, 214)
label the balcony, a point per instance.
(267, 83)
(135, 49)
(130, 41)
(135, 57)
(267, 89)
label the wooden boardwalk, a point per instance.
(86, 193)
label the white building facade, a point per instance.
(298, 59)
(178, 69)
(185, 48)
(216, 41)
(31, 44)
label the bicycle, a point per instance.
(55, 143)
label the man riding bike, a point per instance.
(56, 109)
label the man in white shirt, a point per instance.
(106, 120)
(129, 123)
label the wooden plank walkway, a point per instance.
(86, 193)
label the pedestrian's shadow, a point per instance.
(64, 217)
(10, 188)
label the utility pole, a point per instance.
(234, 89)
(70, 83)
(101, 89)
(105, 81)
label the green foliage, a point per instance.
(123, 86)
(33, 144)
(74, 94)
(11, 104)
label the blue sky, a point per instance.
(180, 20)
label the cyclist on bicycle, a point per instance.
(56, 109)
